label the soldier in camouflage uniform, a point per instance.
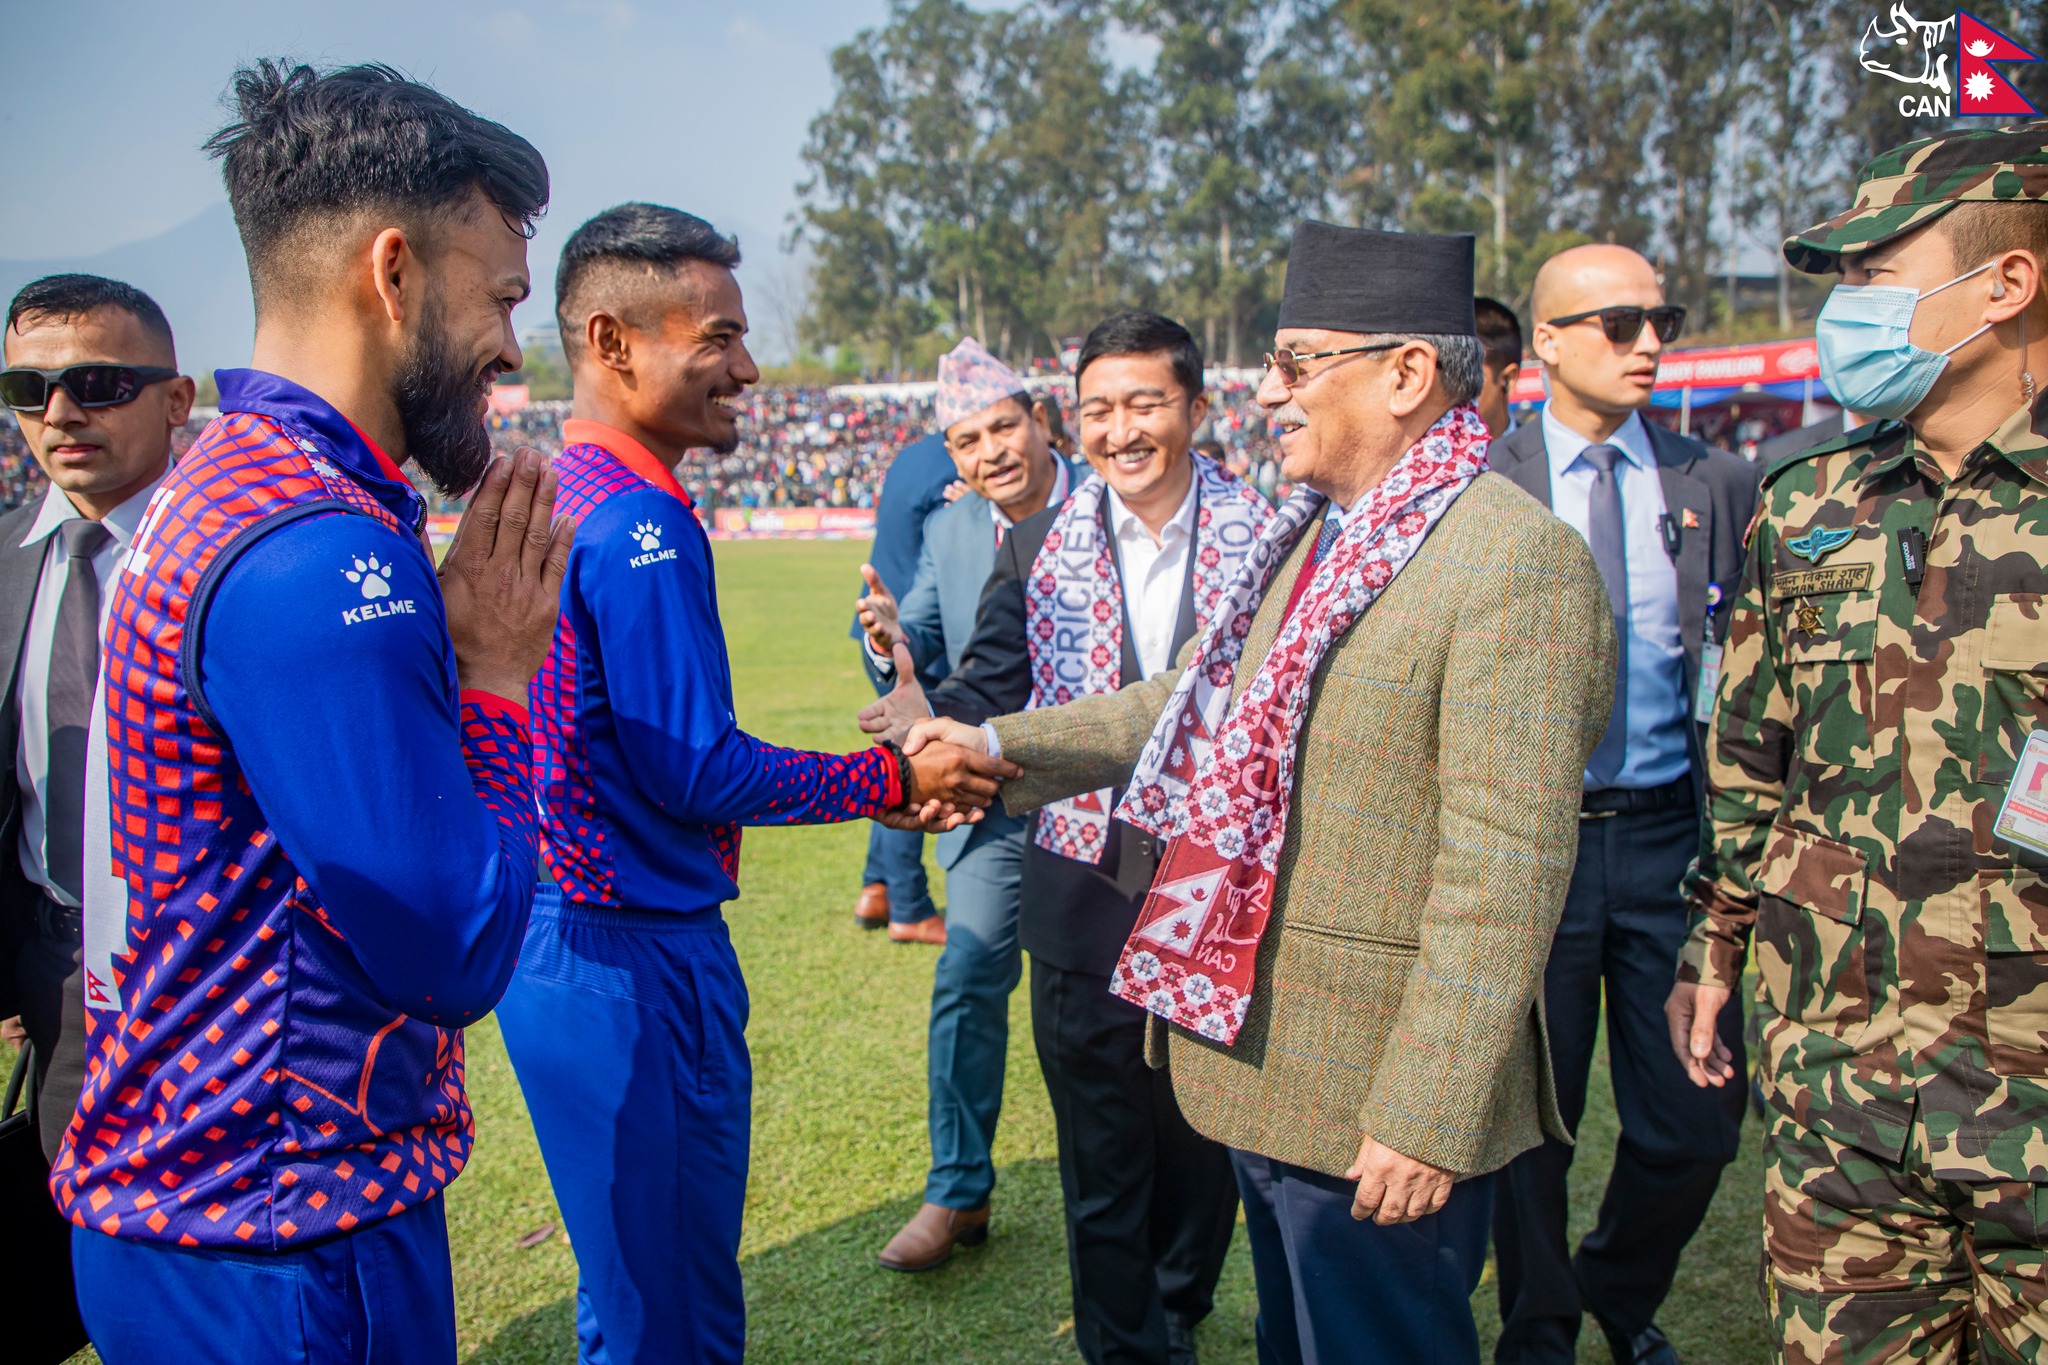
(1886, 661)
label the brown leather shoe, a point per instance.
(932, 930)
(871, 911)
(928, 1239)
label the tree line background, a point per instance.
(1017, 173)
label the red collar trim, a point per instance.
(581, 431)
(391, 471)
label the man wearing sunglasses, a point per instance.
(92, 379)
(1664, 515)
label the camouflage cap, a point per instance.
(1917, 183)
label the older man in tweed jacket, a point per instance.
(1387, 1050)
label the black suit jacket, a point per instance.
(1073, 916)
(21, 569)
(1718, 489)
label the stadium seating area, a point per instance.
(798, 447)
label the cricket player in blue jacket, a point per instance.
(319, 756)
(626, 1018)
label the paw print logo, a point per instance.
(372, 577)
(648, 534)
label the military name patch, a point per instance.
(1841, 578)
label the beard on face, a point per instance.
(440, 406)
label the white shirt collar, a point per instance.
(1124, 523)
(1054, 499)
(1564, 446)
(121, 522)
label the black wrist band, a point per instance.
(902, 769)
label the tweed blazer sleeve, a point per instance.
(1086, 745)
(1527, 687)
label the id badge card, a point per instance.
(2023, 819)
(1710, 681)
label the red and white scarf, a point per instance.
(1218, 779)
(1074, 617)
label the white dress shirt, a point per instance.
(1155, 573)
(32, 751)
(1654, 749)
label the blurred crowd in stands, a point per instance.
(812, 448)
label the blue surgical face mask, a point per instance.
(1866, 358)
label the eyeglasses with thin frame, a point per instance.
(90, 386)
(1623, 324)
(1289, 363)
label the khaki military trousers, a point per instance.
(1869, 1262)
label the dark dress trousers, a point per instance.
(40, 943)
(1150, 1203)
(1617, 944)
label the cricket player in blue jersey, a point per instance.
(321, 766)
(626, 1018)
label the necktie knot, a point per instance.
(1602, 457)
(84, 538)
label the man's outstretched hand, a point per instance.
(878, 615)
(939, 730)
(1393, 1188)
(963, 777)
(501, 580)
(891, 715)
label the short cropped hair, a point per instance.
(1978, 230)
(1500, 332)
(1139, 333)
(307, 147)
(65, 297)
(649, 238)
(1460, 362)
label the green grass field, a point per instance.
(839, 1147)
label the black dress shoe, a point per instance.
(1647, 1347)
(1180, 1340)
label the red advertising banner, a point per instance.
(793, 523)
(1711, 367)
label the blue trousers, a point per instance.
(628, 1031)
(1623, 925)
(970, 1025)
(381, 1296)
(1336, 1291)
(896, 858)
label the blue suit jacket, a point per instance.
(938, 612)
(913, 491)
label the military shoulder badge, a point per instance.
(1819, 541)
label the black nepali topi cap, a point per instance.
(1342, 279)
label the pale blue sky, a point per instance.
(703, 106)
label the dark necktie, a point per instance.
(1605, 530)
(1332, 528)
(74, 672)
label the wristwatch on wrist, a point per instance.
(902, 768)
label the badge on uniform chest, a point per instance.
(2023, 817)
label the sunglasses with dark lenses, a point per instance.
(1625, 324)
(1289, 362)
(90, 386)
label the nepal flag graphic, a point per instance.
(1982, 91)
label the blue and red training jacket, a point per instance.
(645, 775)
(329, 851)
